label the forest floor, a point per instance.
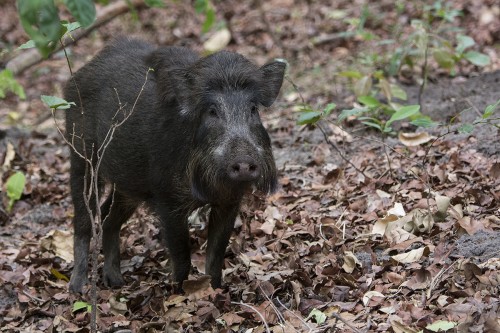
(366, 234)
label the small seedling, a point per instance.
(15, 187)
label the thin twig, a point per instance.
(256, 311)
(327, 139)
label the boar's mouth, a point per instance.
(211, 183)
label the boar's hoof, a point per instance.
(77, 282)
(112, 278)
(243, 170)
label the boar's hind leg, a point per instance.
(116, 210)
(176, 235)
(221, 224)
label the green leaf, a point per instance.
(8, 83)
(155, 3)
(403, 113)
(444, 58)
(201, 6)
(466, 128)
(464, 42)
(477, 58)
(55, 102)
(441, 326)
(70, 27)
(369, 101)
(15, 188)
(398, 92)
(424, 121)
(40, 20)
(490, 109)
(80, 305)
(351, 74)
(28, 45)
(209, 20)
(351, 112)
(310, 117)
(318, 316)
(328, 109)
(82, 10)
(372, 123)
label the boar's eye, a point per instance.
(212, 111)
(254, 110)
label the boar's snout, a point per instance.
(243, 169)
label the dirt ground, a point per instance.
(324, 242)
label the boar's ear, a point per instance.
(172, 77)
(272, 75)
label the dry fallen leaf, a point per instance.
(372, 295)
(60, 242)
(414, 139)
(411, 256)
(350, 262)
(218, 41)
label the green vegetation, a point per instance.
(9, 84)
(15, 187)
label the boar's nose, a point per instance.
(243, 169)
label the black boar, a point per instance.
(192, 137)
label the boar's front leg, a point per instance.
(221, 224)
(176, 235)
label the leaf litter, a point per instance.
(403, 247)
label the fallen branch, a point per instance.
(32, 57)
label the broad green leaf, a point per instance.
(441, 326)
(398, 92)
(70, 27)
(403, 113)
(490, 109)
(464, 42)
(80, 305)
(328, 109)
(15, 187)
(55, 102)
(310, 117)
(82, 10)
(351, 74)
(351, 112)
(369, 101)
(476, 58)
(28, 45)
(466, 128)
(318, 316)
(424, 121)
(363, 86)
(444, 58)
(373, 124)
(8, 83)
(40, 20)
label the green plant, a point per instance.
(488, 117)
(308, 115)
(378, 106)
(15, 187)
(9, 84)
(40, 19)
(434, 35)
(205, 7)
